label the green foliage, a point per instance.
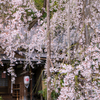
(43, 93)
(54, 95)
(39, 4)
(30, 13)
(1, 98)
(44, 15)
(54, 10)
(76, 83)
(61, 82)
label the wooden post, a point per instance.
(48, 51)
(31, 85)
(17, 95)
(25, 93)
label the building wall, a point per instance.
(5, 84)
(35, 82)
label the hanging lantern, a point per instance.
(26, 81)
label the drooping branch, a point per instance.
(68, 29)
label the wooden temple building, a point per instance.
(17, 90)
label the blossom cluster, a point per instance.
(77, 79)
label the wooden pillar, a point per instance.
(31, 85)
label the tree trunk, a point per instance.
(48, 51)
